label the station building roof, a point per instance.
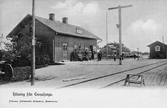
(57, 26)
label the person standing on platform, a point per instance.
(99, 55)
(134, 56)
(92, 55)
(122, 55)
(86, 55)
(115, 55)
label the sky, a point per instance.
(142, 24)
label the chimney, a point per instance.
(52, 16)
(65, 20)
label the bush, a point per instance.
(21, 73)
(42, 59)
(20, 62)
(20, 55)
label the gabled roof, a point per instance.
(156, 42)
(58, 27)
(20, 26)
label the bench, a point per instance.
(135, 79)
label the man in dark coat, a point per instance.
(99, 55)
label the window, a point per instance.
(75, 46)
(44, 47)
(157, 48)
(64, 46)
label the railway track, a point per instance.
(132, 76)
(157, 65)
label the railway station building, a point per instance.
(158, 50)
(59, 39)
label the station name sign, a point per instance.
(79, 31)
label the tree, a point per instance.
(19, 53)
(116, 45)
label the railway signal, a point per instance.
(119, 26)
(106, 38)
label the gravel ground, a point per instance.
(50, 78)
(56, 76)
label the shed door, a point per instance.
(64, 51)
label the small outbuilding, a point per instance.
(59, 39)
(158, 50)
(111, 50)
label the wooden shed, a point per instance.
(158, 50)
(59, 38)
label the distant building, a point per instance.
(111, 50)
(158, 50)
(58, 39)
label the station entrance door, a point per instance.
(64, 51)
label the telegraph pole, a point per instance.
(164, 47)
(120, 33)
(1, 41)
(138, 53)
(106, 37)
(33, 44)
(120, 37)
(163, 39)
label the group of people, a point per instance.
(115, 56)
(78, 55)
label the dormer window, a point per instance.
(157, 48)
